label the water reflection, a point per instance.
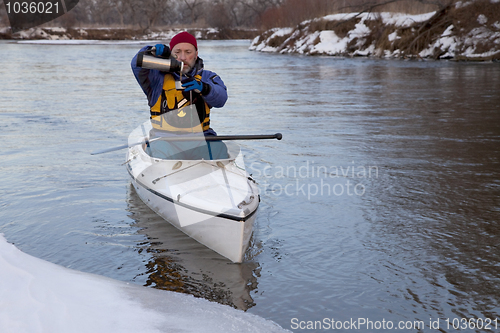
(179, 263)
(434, 210)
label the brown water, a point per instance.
(382, 202)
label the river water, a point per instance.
(381, 203)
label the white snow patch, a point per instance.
(37, 296)
(329, 43)
(45, 33)
(307, 43)
(360, 30)
(57, 29)
(262, 45)
(162, 35)
(367, 52)
(482, 19)
(393, 36)
(339, 17)
(83, 32)
(282, 32)
(446, 43)
(404, 20)
(462, 4)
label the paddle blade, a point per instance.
(107, 150)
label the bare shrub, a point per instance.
(424, 33)
(277, 41)
(419, 36)
(379, 33)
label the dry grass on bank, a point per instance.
(464, 20)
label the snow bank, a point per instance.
(306, 40)
(82, 42)
(38, 296)
(113, 33)
(468, 31)
(46, 33)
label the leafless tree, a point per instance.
(218, 15)
(148, 13)
(195, 9)
(256, 8)
(123, 8)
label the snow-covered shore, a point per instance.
(38, 296)
(465, 31)
(113, 33)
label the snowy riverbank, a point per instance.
(59, 33)
(465, 31)
(38, 296)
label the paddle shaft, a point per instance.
(277, 136)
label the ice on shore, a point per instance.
(38, 296)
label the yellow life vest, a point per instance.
(173, 112)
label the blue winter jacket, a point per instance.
(151, 82)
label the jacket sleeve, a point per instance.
(150, 80)
(217, 96)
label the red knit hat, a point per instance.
(183, 37)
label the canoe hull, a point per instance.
(212, 201)
(228, 237)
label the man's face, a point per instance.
(186, 53)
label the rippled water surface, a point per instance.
(381, 202)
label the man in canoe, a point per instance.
(180, 101)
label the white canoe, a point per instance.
(212, 201)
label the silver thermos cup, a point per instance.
(165, 65)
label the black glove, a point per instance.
(162, 50)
